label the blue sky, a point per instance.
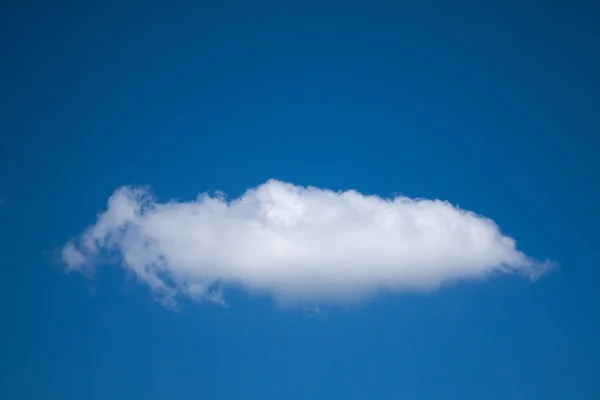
(492, 107)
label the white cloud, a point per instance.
(296, 243)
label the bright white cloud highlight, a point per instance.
(294, 242)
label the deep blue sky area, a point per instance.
(492, 105)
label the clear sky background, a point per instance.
(494, 106)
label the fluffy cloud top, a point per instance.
(294, 242)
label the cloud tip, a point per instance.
(543, 268)
(72, 257)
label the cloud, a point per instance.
(293, 242)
